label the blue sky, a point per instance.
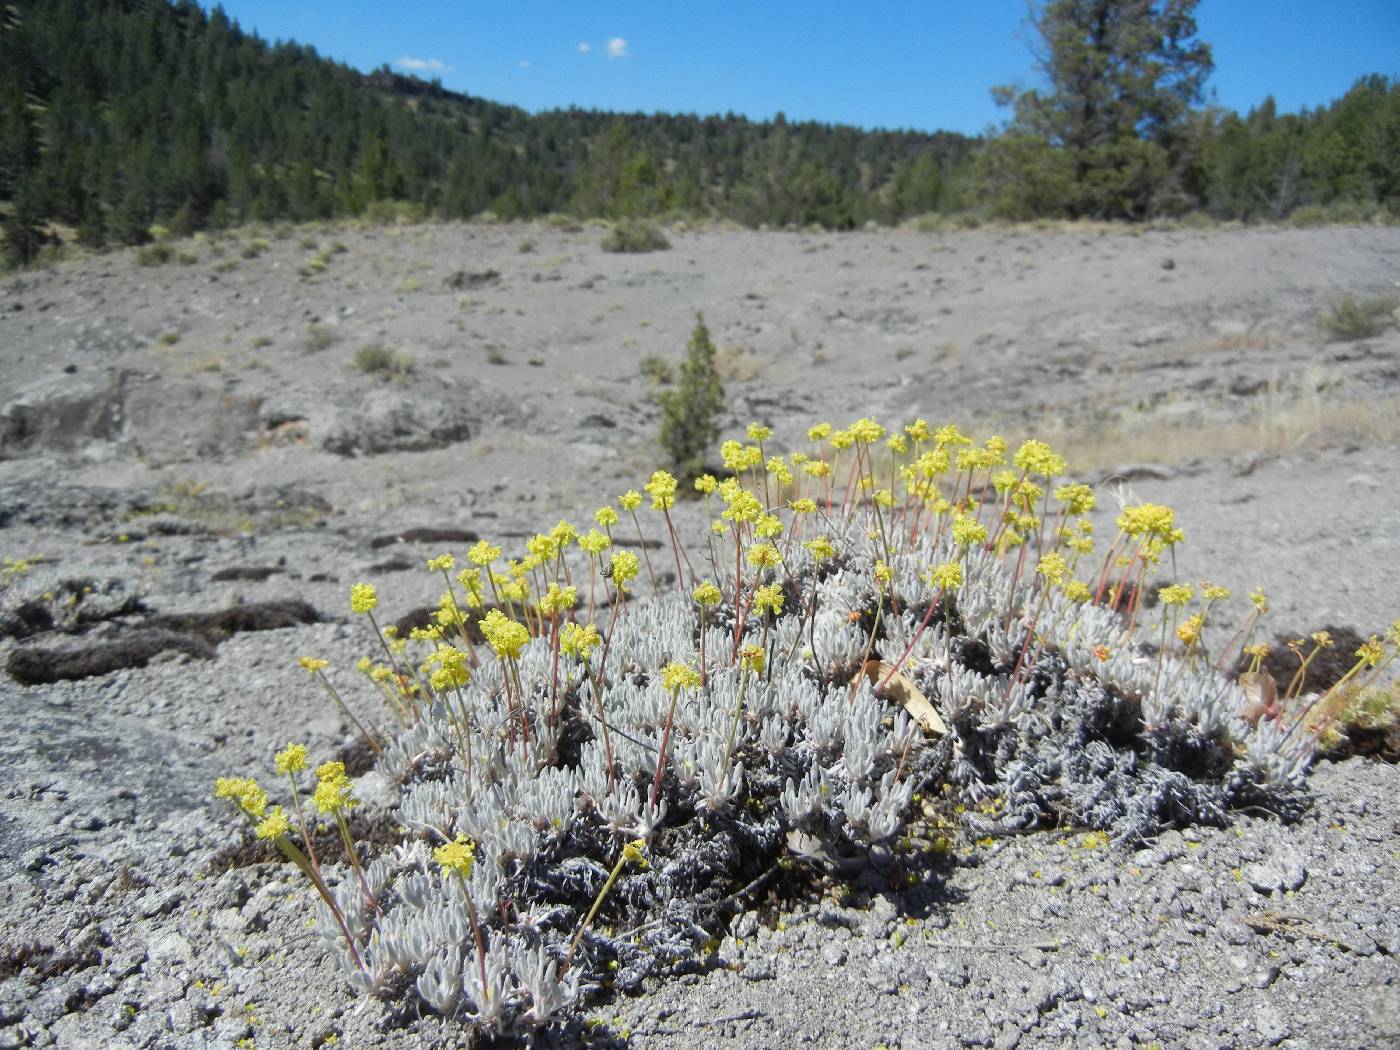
(925, 64)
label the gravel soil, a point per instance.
(181, 439)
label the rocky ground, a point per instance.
(189, 437)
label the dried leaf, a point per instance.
(901, 689)
(1262, 694)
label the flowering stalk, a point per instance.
(945, 577)
(751, 661)
(273, 827)
(316, 667)
(631, 853)
(674, 678)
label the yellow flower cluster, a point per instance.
(1177, 594)
(1150, 519)
(333, 792)
(579, 640)
(505, 636)
(764, 556)
(558, 600)
(676, 676)
(457, 857)
(451, 668)
(363, 598)
(662, 489)
(312, 664)
(751, 658)
(625, 566)
(707, 594)
(251, 799)
(768, 599)
(274, 825)
(947, 576)
(1036, 457)
(291, 759)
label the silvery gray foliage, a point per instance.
(1092, 731)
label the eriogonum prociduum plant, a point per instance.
(590, 777)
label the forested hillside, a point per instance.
(119, 114)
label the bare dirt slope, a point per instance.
(182, 437)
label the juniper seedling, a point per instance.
(690, 412)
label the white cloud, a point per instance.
(617, 48)
(524, 63)
(584, 47)
(421, 65)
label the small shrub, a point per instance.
(381, 360)
(409, 285)
(157, 254)
(169, 338)
(186, 258)
(319, 337)
(1353, 318)
(635, 236)
(659, 758)
(260, 341)
(690, 413)
(526, 247)
(658, 370)
(254, 248)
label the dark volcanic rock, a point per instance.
(38, 666)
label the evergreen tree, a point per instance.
(1121, 77)
(24, 227)
(690, 413)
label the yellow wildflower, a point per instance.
(768, 599)
(1190, 629)
(968, 531)
(757, 432)
(632, 853)
(662, 489)
(274, 825)
(1052, 566)
(707, 594)
(291, 759)
(820, 548)
(1079, 498)
(605, 516)
(768, 526)
(505, 636)
(818, 432)
(442, 563)
(578, 640)
(764, 556)
(558, 600)
(363, 598)
(594, 542)
(630, 500)
(243, 790)
(625, 566)
(751, 658)
(676, 676)
(1077, 591)
(946, 577)
(1177, 594)
(1370, 652)
(706, 484)
(312, 664)
(456, 857)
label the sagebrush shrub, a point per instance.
(634, 235)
